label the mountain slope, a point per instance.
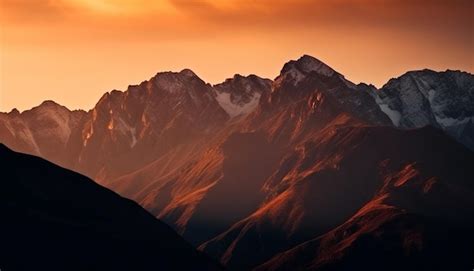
(216, 192)
(439, 99)
(199, 198)
(320, 122)
(324, 182)
(48, 130)
(127, 130)
(383, 237)
(55, 219)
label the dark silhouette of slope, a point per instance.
(56, 219)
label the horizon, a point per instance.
(73, 51)
(213, 84)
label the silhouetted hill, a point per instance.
(55, 219)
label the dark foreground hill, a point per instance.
(55, 219)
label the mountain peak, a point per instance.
(49, 106)
(240, 94)
(298, 70)
(184, 74)
(307, 64)
(188, 72)
(50, 103)
(14, 112)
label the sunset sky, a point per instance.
(72, 51)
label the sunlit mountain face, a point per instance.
(236, 135)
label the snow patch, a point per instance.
(134, 137)
(10, 129)
(394, 115)
(309, 64)
(126, 130)
(235, 110)
(296, 75)
(431, 95)
(447, 122)
(88, 135)
(61, 129)
(26, 136)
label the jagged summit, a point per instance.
(240, 95)
(236, 77)
(307, 64)
(14, 112)
(48, 106)
(177, 82)
(185, 73)
(296, 71)
(440, 99)
(244, 80)
(428, 72)
(167, 104)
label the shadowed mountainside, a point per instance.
(55, 219)
(327, 189)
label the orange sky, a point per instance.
(72, 51)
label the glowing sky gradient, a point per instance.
(72, 51)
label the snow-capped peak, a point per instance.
(174, 82)
(307, 64)
(440, 99)
(296, 71)
(240, 95)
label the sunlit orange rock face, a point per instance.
(48, 130)
(313, 176)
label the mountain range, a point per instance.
(308, 171)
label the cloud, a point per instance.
(219, 14)
(318, 11)
(26, 11)
(198, 19)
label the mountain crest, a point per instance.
(240, 95)
(188, 73)
(14, 112)
(307, 64)
(297, 71)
